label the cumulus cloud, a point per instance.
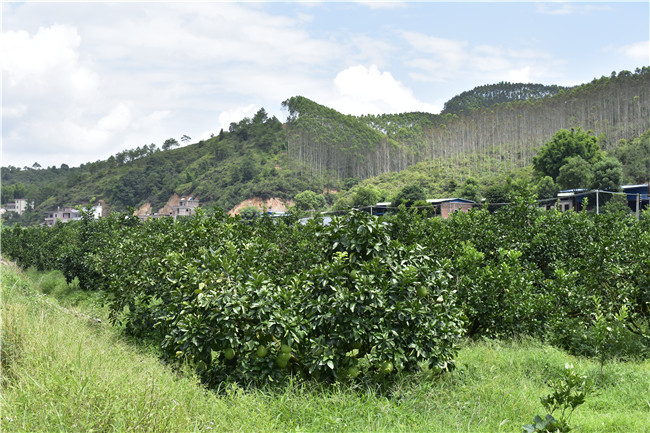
(58, 108)
(174, 68)
(520, 75)
(46, 84)
(639, 51)
(117, 119)
(361, 90)
(45, 63)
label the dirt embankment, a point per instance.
(143, 210)
(146, 209)
(174, 200)
(271, 204)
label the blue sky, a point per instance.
(82, 81)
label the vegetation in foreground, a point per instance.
(62, 370)
(361, 299)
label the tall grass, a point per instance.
(62, 370)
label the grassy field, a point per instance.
(64, 368)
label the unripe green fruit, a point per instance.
(353, 372)
(285, 348)
(261, 351)
(283, 359)
(387, 367)
(422, 291)
(230, 353)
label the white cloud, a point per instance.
(639, 51)
(46, 62)
(449, 51)
(555, 8)
(113, 81)
(362, 90)
(117, 119)
(14, 111)
(520, 75)
(568, 8)
(235, 115)
(437, 60)
(382, 4)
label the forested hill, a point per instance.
(321, 149)
(325, 140)
(489, 95)
(496, 138)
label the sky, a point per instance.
(82, 81)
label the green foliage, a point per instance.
(56, 360)
(543, 252)
(575, 173)
(471, 190)
(547, 188)
(362, 297)
(309, 200)
(408, 195)
(489, 95)
(569, 391)
(566, 144)
(170, 143)
(617, 204)
(214, 304)
(250, 212)
(635, 156)
(608, 174)
(403, 127)
(329, 143)
(365, 196)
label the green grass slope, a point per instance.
(62, 370)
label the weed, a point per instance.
(569, 392)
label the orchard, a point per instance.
(363, 298)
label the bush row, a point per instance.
(363, 297)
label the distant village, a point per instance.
(637, 197)
(186, 207)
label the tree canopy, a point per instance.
(309, 200)
(635, 156)
(576, 173)
(488, 95)
(564, 145)
(409, 195)
(365, 196)
(608, 174)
